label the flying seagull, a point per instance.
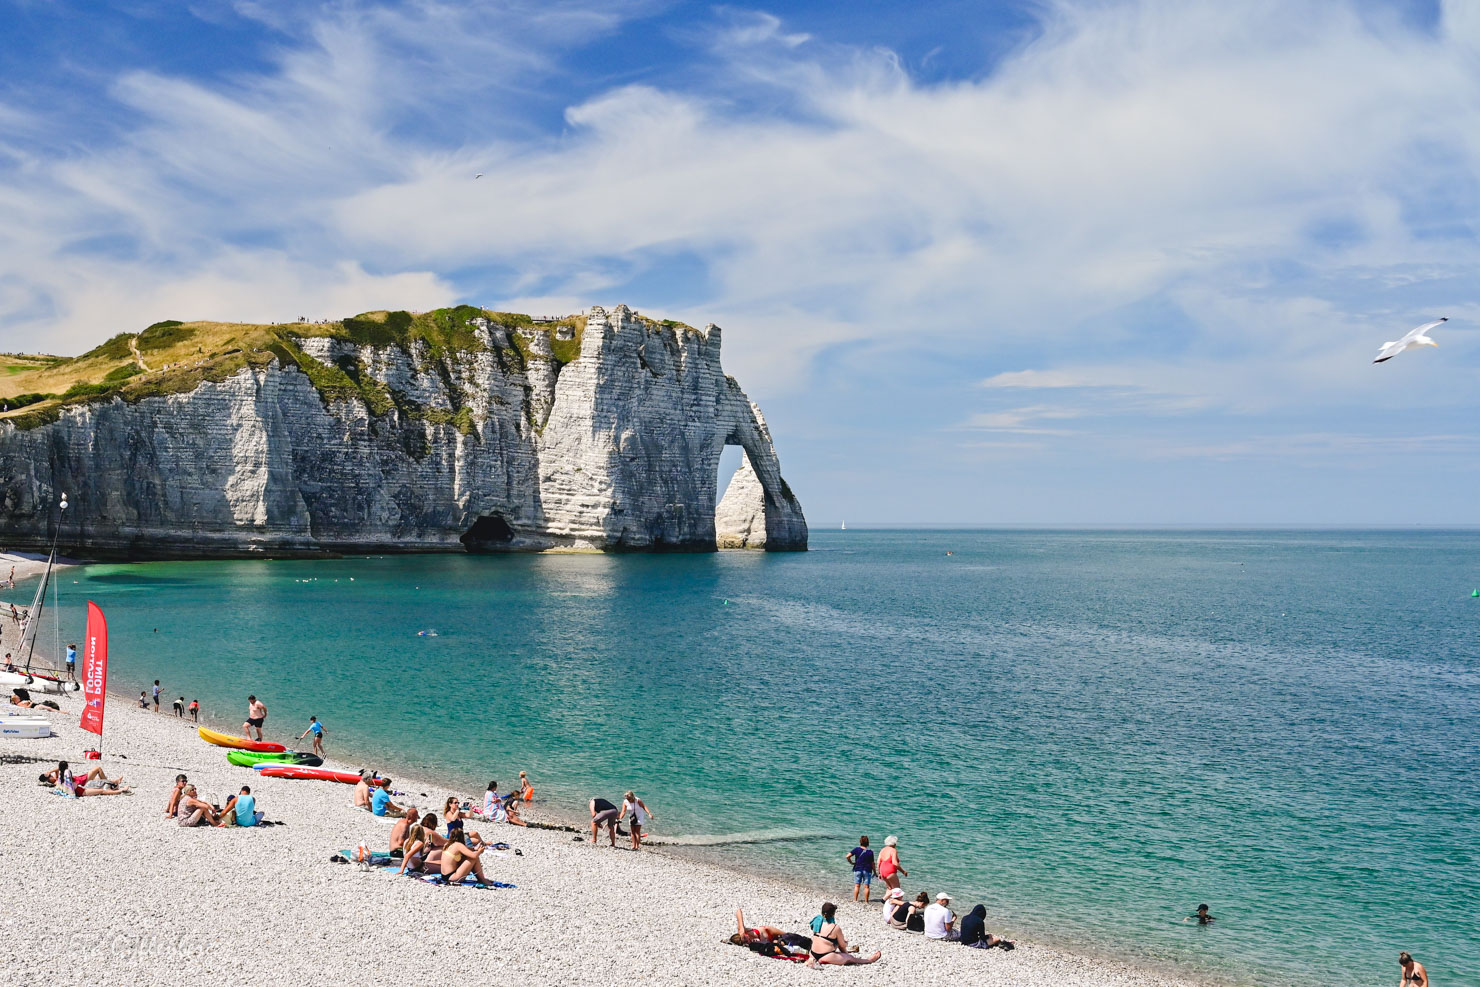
(479, 175)
(1414, 339)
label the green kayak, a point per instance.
(246, 759)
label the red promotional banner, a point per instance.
(94, 669)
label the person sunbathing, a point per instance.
(750, 934)
(459, 860)
(193, 811)
(829, 945)
(95, 782)
(362, 791)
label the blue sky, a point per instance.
(1044, 262)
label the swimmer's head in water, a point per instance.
(1202, 908)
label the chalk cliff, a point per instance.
(496, 434)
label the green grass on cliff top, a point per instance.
(174, 357)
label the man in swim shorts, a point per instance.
(603, 813)
(256, 716)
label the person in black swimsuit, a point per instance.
(1414, 975)
(829, 945)
(1202, 916)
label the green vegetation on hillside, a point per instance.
(179, 356)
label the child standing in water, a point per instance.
(317, 729)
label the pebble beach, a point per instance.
(106, 889)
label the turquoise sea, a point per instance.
(1091, 732)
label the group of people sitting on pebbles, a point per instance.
(189, 809)
(828, 945)
(416, 841)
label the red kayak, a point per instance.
(311, 774)
(239, 743)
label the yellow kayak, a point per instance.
(240, 743)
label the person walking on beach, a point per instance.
(862, 859)
(1414, 975)
(72, 662)
(889, 868)
(195, 711)
(156, 695)
(829, 945)
(317, 729)
(635, 811)
(603, 813)
(256, 716)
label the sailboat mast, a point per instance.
(32, 625)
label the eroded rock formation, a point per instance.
(604, 437)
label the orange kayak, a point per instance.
(240, 743)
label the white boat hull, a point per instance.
(37, 683)
(19, 729)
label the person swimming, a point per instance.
(1202, 916)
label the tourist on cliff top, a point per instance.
(256, 716)
(829, 945)
(974, 932)
(317, 729)
(637, 815)
(889, 868)
(862, 859)
(603, 813)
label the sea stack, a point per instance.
(459, 429)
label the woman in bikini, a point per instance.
(1414, 975)
(759, 933)
(459, 860)
(829, 945)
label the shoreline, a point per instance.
(155, 746)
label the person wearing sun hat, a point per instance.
(939, 922)
(893, 902)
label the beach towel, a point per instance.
(466, 882)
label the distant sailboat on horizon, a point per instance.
(844, 526)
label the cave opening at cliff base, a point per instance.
(488, 532)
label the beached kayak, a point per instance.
(248, 759)
(240, 743)
(310, 774)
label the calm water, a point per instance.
(1090, 732)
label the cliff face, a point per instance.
(606, 437)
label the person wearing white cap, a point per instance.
(939, 921)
